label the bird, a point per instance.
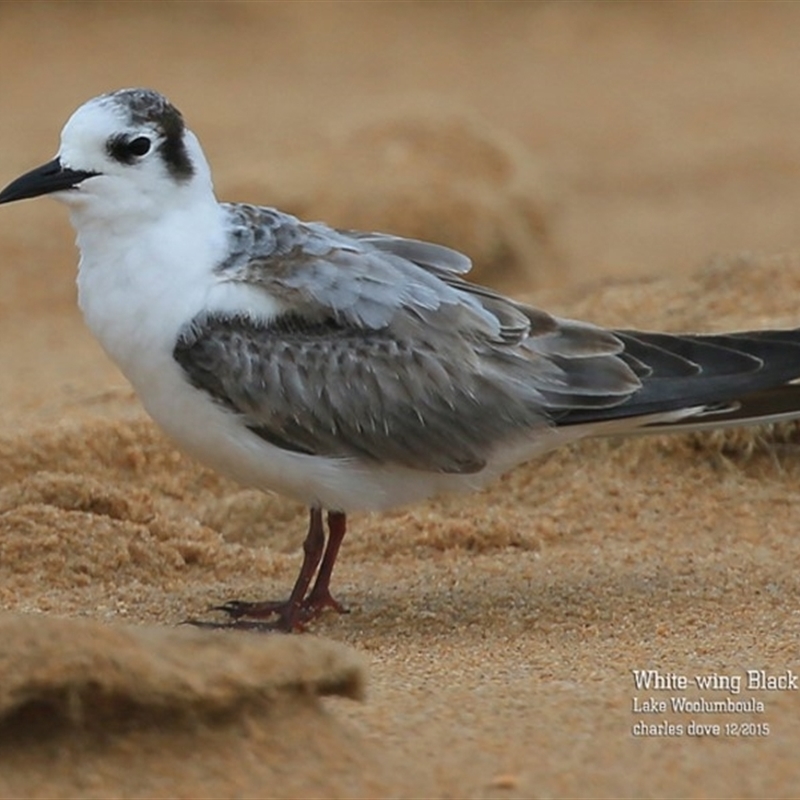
(350, 370)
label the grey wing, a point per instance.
(321, 389)
(386, 353)
(369, 280)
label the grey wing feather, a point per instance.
(326, 390)
(365, 279)
(375, 280)
(389, 354)
(434, 257)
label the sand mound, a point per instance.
(80, 702)
(81, 673)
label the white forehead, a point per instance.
(89, 128)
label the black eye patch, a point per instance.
(125, 150)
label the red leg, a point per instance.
(320, 597)
(291, 613)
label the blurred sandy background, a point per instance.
(633, 164)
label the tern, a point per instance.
(350, 370)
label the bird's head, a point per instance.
(126, 153)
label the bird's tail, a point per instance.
(701, 382)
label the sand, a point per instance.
(629, 164)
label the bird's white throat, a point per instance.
(138, 286)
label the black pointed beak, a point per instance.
(50, 177)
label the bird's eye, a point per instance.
(139, 146)
(127, 151)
